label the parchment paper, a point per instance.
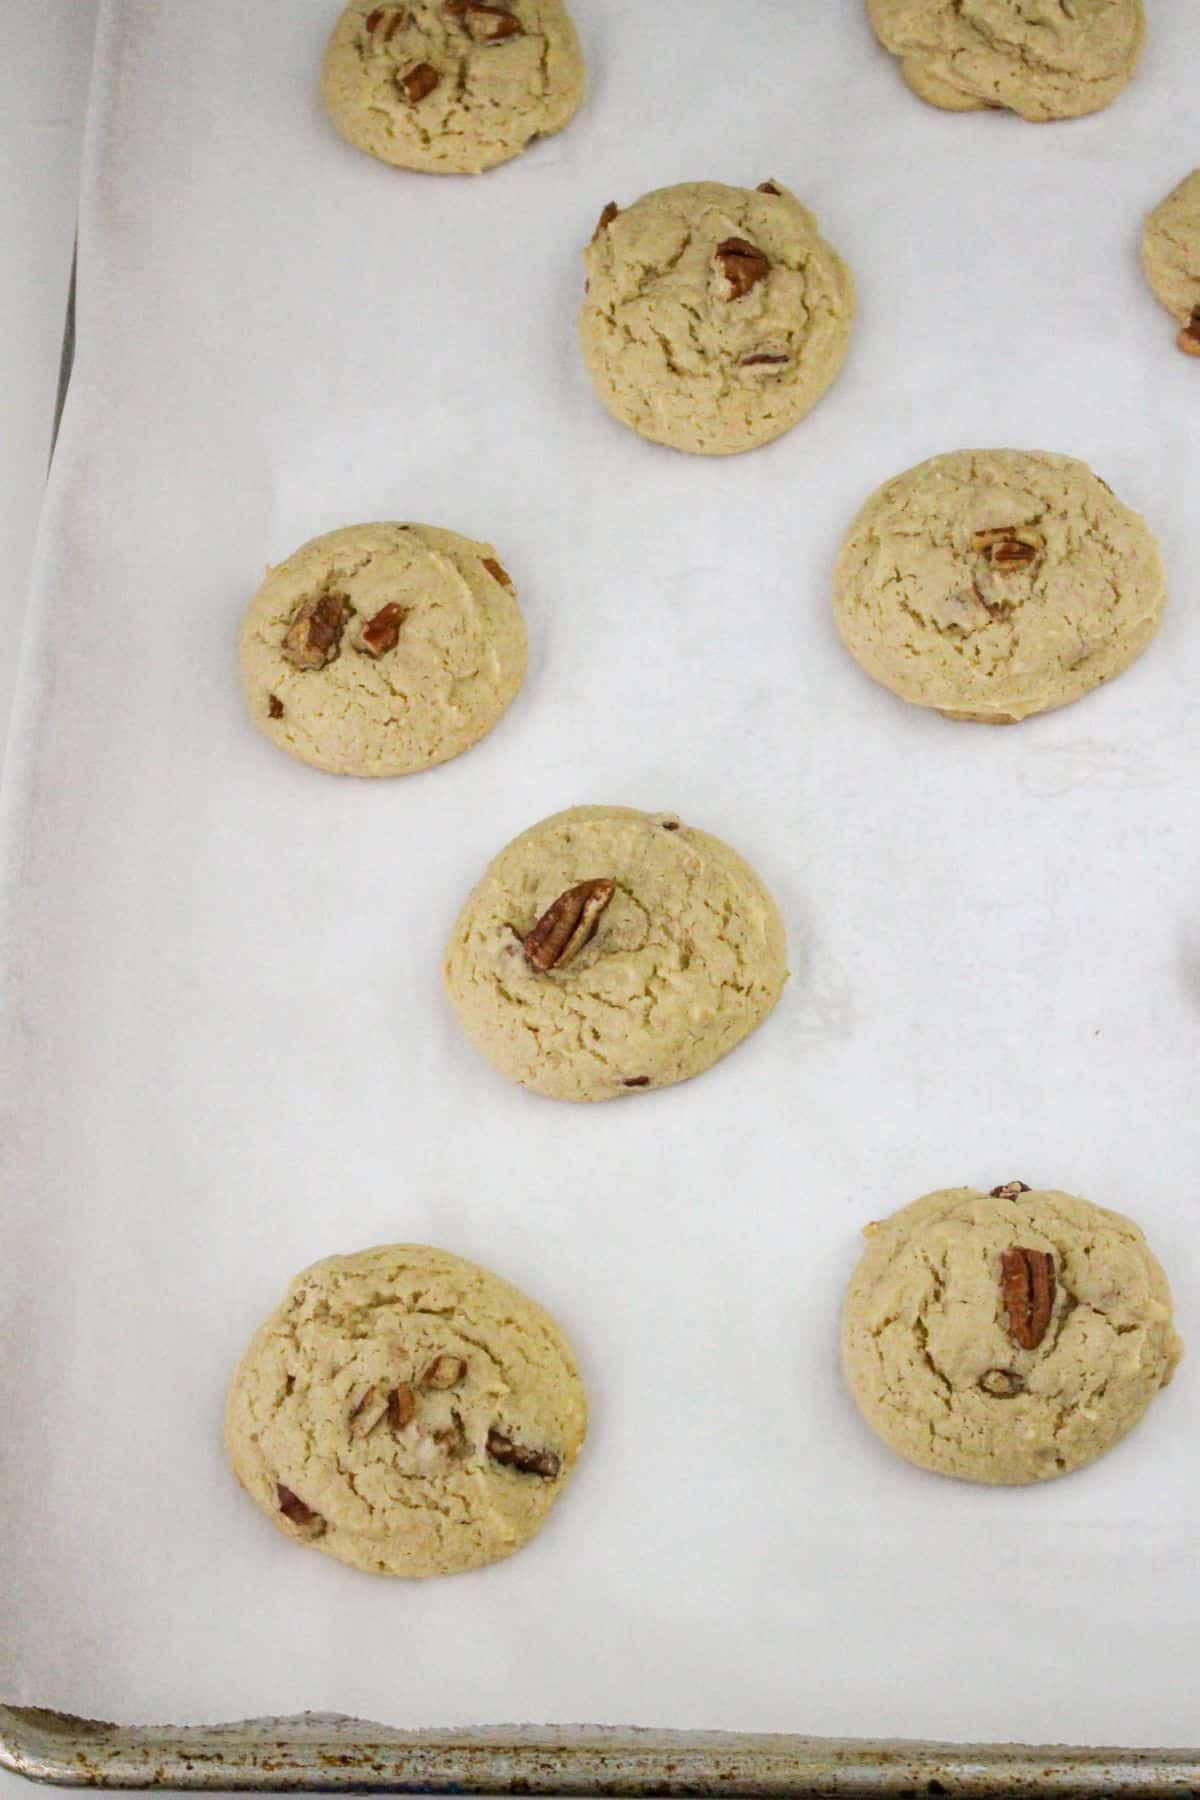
(226, 1048)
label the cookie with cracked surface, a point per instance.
(406, 1412)
(383, 649)
(993, 584)
(607, 951)
(715, 317)
(1171, 258)
(1006, 1337)
(1043, 59)
(452, 87)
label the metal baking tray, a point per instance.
(330, 1752)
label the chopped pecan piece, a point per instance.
(567, 926)
(742, 264)
(490, 24)
(769, 187)
(496, 572)
(762, 357)
(1009, 546)
(314, 637)
(606, 218)
(444, 1372)
(1028, 1292)
(383, 631)
(1002, 1384)
(401, 1407)
(637, 1081)
(419, 82)
(384, 23)
(1013, 554)
(292, 1507)
(1010, 1190)
(368, 1413)
(274, 706)
(1189, 338)
(510, 1455)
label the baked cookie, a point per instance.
(607, 951)
(452, 87)
(1044, 59)
(715, 317)
(1171, 258)
(383, 649)
(992, 584)
(1006, 1337)
(406, 1412)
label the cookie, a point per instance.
(992, 584)
(383, 649)
(715, 317)
(1171, 258)
(608, 951)
(1006, 1337)
(406, 1412)
(452, 87)
(1043, 59)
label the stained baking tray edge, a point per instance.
(334, 1754)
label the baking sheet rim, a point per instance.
(333, 1753)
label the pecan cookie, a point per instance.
(992, 584)
(608, 951)
(383, 649)
(406, 1412)
(1044, 59)
(1171, 258)
(1006, 1337)
(452, 87)
(715, 317)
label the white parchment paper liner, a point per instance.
(226, 1049)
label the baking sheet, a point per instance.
(226, 1052)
